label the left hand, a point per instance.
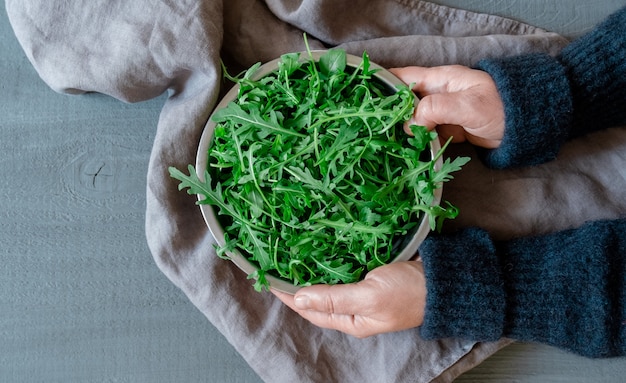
(390, 298)
(461, 102)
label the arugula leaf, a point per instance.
(339, 270)
(447, 168)
(289, 63)
(234, 113)
(334, 61)
(421, 137)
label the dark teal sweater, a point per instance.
(566, 289)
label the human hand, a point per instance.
(460, 102)
(390, 298)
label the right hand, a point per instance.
(458, 101)
(390, 298)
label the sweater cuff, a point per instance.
(465, 294)
(537, 107)
(565, 289)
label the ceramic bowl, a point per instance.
(407, 246)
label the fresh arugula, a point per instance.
(312, 174)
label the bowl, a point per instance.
(407, 246)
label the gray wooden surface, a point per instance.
(81, 299)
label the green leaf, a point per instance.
(259, 248)
(444, 174)
(233, 112)
(332, 62)
(289, 63)
(261, 282)
(339, 271)
(421, 137)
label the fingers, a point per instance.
(432, 112)
(456, 132)
(443, 101)
(459, 102)
(390, 298)
(441, 79)
(421, 78)
(329, 299)
(285, 298)
(337, 307)
(334, 299)
(442, 109)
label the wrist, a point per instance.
(537, 107)
(464, 291)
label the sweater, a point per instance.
(566, 289)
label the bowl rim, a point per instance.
(210, 216)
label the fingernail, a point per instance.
(302, 301)
(407, 126)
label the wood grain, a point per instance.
(81, 299)
(569, 18)
(532, 363)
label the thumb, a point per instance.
(440, 109)
(333, 299)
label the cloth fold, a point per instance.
(137, 51)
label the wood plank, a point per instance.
(569, 18)
(81, 298)
(530, 363)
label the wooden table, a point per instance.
(81, 299)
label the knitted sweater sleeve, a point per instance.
(566, 289)
(548, 100)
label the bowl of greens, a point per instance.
(304, 174)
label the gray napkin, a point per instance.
(137, 50)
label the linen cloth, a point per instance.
(135, 51)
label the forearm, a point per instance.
(549, 100)
(538, 110)
(565, 289)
